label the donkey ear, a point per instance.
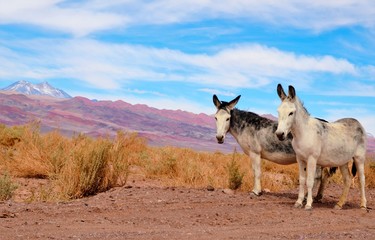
(233, 103)
(292, 92)
(280, 92)
(216, 101)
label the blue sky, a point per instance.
(176, 55)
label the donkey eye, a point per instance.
(216, 118)
(290, 114)
(227, 119)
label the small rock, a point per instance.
(228, 191)
(210, 188)
(7, 215)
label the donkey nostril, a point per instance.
(280, 136)
(220, 138)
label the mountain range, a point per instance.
(43, 89)
(105, 118)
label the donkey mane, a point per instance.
(250, 115)
(249, 118)
(301, 103)
(223, 106)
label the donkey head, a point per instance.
(222, 116)
(286, 111)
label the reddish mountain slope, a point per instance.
(102, 118)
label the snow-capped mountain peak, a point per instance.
(43, 88)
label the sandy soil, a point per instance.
(145, 210)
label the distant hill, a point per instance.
(43, 89)
(105, 118)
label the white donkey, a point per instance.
(326, 144)
(256, 136)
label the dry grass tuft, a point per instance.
(370, 171)
(96, 165)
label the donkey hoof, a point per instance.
(255, 194)
(364, 208)
(298, 205)
(337, 207)
(318, 199)
(308, 208)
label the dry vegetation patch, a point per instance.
(81, 166)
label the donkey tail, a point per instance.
(354, 169)
(332, 170)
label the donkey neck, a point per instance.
(302, 117)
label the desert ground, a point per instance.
(143, 209)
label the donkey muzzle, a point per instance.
(220, 139)
(280, 136)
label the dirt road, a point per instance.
(148, 211)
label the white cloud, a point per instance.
(267, 61)
(109, 66)
(217, 92)
(52, 14)
(83, 18)
(312, 15)
(138, 91)
(317, 15)
(350, 88)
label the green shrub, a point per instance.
(7, 187)
(235, 176)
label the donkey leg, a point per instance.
(302, 182)
(323, 183)
(256, 160)
(311, 169)
(346, 179)
(359, 161)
